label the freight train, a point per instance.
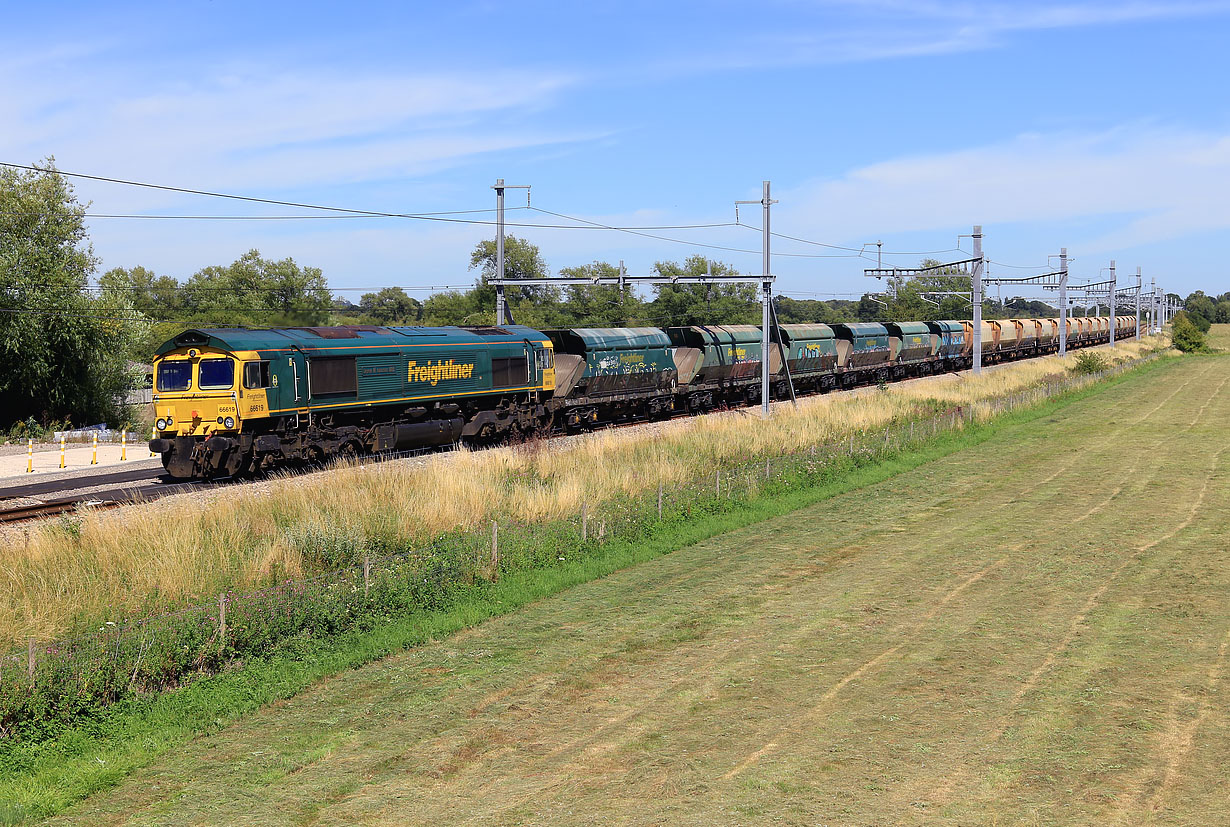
(238, 401)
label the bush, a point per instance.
(31, 428)
(1089, 362)
(1186, 336)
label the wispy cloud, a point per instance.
(254, 128)
(1152, 184)
(850, 31)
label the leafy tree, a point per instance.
(453, 307)
(522, 260)
(1201, 310)
(599, 305)
(156, 297)
(391, 306)
(1223, 312)
(813, 311)
(688, 304)
(62, 351)
(255, 291)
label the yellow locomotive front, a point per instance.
(195, 394)
(200, 408)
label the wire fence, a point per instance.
(53, 680)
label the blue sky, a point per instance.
(1099, 126)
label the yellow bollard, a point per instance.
(123, 445)
(94, 460)
(61, 452)
(30, 457)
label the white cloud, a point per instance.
(1151, 184)
(250, 129)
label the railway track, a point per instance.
(38, 488)
(155, 488)
(53, 508)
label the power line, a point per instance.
(861, 252)
(441, 216)
(190, 288)
(818, 295)
(88, 214)
(1021, 266)
(349, 211)
(637, 231)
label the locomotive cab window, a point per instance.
(256, 375)
(216, 374)
(174, 375)
(546, 359)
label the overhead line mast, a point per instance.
(499, 188)
(766, 293)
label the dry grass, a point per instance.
(115, 564)
(1219, 337)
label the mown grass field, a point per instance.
(1219, 337)
(1031, 631)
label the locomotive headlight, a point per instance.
(230, 422)
(162, 424)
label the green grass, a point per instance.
(43, 779)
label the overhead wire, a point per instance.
(637, 231)
(447, 216)
(192, 288)
(863, 252)
(348, 211)
(444, 216)
(998, 263)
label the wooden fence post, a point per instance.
(495, 551)
(31, 661)
(222, 620)
(584, 522)
(659, 500)
(367, 574)
(851, 444)
(717, 490)
(766, 468)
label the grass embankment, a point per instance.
(109, 566)
(1030, 631)
(1219, 337)
(44, 777)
